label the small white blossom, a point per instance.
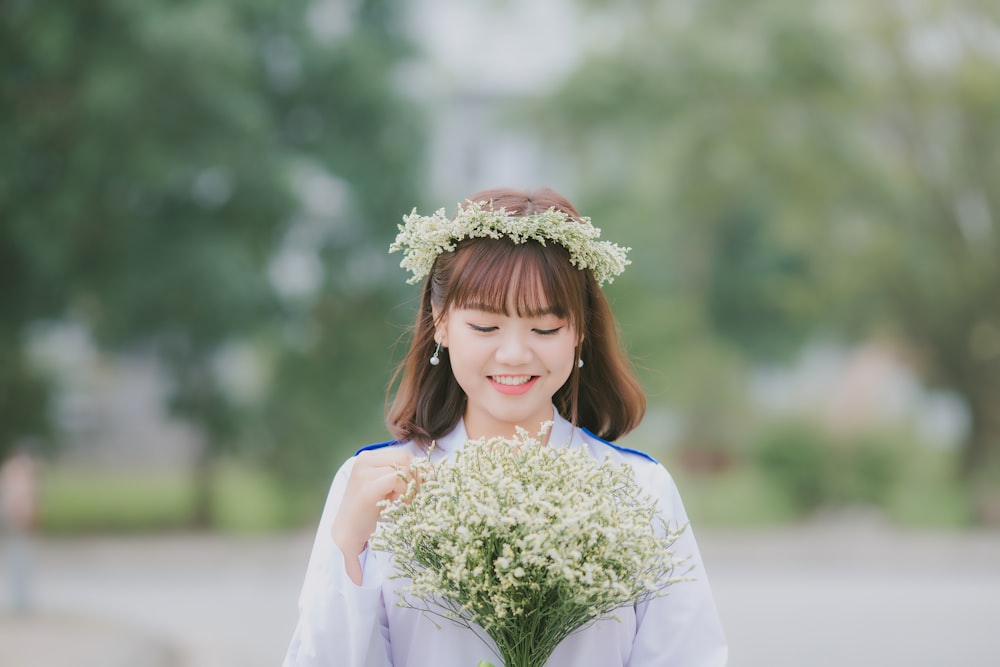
(525, 540)
(422, 238)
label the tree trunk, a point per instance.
(203, 478)
(981, 456)
(982, 449)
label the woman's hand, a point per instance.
(381, 474)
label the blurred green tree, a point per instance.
(791, 168)
(157, 156)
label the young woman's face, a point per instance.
(509, 367)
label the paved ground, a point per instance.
(838, 593)
(858, 595)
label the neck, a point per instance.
(482, 426)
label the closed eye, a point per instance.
(482, 329)
(548, 332)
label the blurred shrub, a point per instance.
(866, 469)
(796, 459)
(737, 496)
(814, 469)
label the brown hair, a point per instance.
(604, 396)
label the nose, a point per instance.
(513, 349)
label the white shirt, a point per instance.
(342, 624)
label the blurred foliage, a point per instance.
(738, 496)
(793, 470)
(791, 168)
(797, 461)
(815, 470)
(158, 158)
(781, 168)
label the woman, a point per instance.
(513, 331)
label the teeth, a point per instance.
(511, 379)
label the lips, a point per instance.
(513, 384)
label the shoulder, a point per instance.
(348, 465)
(651, 475)
(628, 452)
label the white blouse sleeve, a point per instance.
(683, 628)
(340, 623)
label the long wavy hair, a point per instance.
(604, 396)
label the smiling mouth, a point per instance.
(512, 380)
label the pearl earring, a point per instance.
(579, 363)
(434, 357)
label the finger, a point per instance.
(379, 463)
(389, 486)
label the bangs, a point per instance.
(524, 280)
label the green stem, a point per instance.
(523, 654)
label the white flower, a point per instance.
(423, 237)
(526, 540)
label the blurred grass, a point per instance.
(249, 500)
(929, 493)
(90, 500)
(81, 500)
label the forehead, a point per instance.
(519, 281)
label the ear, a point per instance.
(440, 327)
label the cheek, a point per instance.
(563, 358)
(466, 354)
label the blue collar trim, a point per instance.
(377, 445)
(619, 447)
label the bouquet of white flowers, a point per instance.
(528, 542)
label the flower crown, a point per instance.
(423, 237)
